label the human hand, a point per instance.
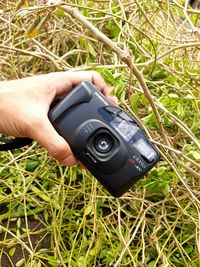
(24, 106)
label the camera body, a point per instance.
(104, 138)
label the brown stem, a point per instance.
(124, 56)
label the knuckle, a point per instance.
(95, 74)
(58, 150)
(98, 80)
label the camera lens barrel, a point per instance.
(103, 143)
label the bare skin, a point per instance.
(24, 105)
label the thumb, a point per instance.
(55, 144)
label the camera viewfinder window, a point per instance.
(125, 129)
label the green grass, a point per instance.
(56, 216)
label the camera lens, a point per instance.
(103, 143)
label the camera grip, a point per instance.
(75, 97)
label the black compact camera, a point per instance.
(104, 138)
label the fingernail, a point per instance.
(69, 161)
(114, 100)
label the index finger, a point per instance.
(76, 77)
(93, 76)
(66, 81)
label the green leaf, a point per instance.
(46, 215)
(161, 170)
(88, 210)
(135, 102)
(195, 263)
(55, 205)
(31, 31)
(180, 109)
(80, 261)
(40, 193)
(19, 222)
(144, 100)
(82, 42)
(173, 95)
(151, 264)
(109, 76)
(31, 166)
(171, 79)
(113, 28)
(166, 189)
(91, 50)
(195, 155)
(94, 251)
(18, 234)
(194, 71)
(189, 248)
(20, 263)
(52, 261)
(59, 12)
(12, 251)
